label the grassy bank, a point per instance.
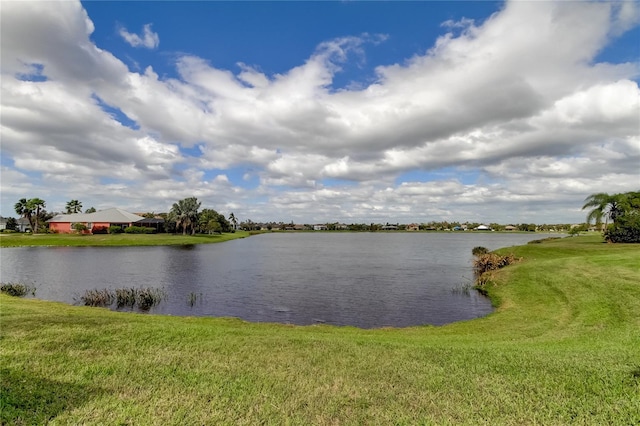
(20, 240)
(562, 348)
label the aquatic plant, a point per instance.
(97, 297)
(16, 289)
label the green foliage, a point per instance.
(139, 230)
(623, 210)
(73, 206)
(625, 230)
(479, 250)
(12, 224)
(185, 214)
(115, 229)
(80, 227)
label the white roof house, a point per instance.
(113, 215)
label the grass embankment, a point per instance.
(563, 348)
(20, 240)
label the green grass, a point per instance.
(19, 240)
(563, 347)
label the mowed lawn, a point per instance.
(19, 239)
(562, 348)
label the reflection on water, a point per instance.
(361, 279)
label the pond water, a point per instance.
(366, 280)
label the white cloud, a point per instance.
(516, 103)
(148, 39)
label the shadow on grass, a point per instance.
(29, 400)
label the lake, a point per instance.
(367, 280)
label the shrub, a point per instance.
(479, 251)
(625, 230)
(100, 230)
(491, 262)
(80, 227)
(115, 229)
(17, 290)
(139, 230)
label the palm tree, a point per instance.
(603, 205)
(74, 206)
(232, 218)
(37, 204)
(185, 213)
(25, 209)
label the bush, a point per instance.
(100, 230)
(115, 229)
(139, 230)
(479, 251)
(491, 262)
(625, 230)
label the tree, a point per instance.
(74, 206)
(90, 210)
(25, 209)
(234, 220)
(185, 214)
(603, 205)
(38, 204)
(12, 224)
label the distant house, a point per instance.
(510, 228)
(320, 227)
(103, 219)
(389, 228)
(23, 225)
(3, 223)
(413, 227)
(483, 228)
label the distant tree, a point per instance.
(214, 226)
(38, 205)
(90, 210)
(208, 215)
(234, 220)
(74, 206)
(603, 205)
(25, 210)
(12, 224)
(185, 214)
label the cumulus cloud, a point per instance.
(148, 39)
(517, 101)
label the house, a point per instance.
(320, 227)
(510, 228)
(483, 228)
(101, 220)
(23, 225)
(413, 227)
(3, 223)
(388, 227)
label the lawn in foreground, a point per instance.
(19, 240)
(562, 348)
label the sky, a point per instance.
(314, 112)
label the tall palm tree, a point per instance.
(38, 204)
(25, 209)
(232, 218)
(603, 205)
(74, 206)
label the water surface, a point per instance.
(366, 280)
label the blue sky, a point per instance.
(322, 111)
